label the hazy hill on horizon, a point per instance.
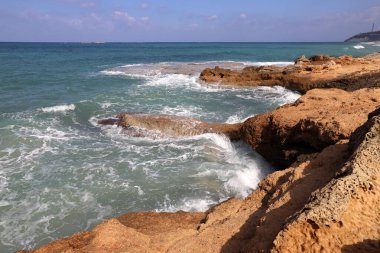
(365, 37)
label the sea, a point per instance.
(61, 172)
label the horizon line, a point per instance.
(104, 42)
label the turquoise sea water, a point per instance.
(61, 173)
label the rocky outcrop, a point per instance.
(345, 214)
(365, 37)
(141, 124)
(327, 201)
(320, 71)
(316, 120)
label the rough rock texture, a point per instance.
(316, 120)
(345, 214)
(320, 71)
(140, 124)
(324, 202)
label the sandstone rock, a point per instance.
(302, 60)
(343, 216)
(320, 71)
(316, 120)
(140, 125)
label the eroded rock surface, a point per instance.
(320, 71)
(140, 125)
(327, 201)
(316, 120)
(345, 214)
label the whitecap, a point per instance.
(278, 63)
(276, 94)
(59, 108)
(238, 119)
(186, 204)
(181, 68)
(358, 46)
(179, 110)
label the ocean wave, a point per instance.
(179, 110)
(59, 108)
(238, 119)
(187, 204)
(276, 94)
(279, 63)
(358, 46)
(184, 68)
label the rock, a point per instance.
(320, 58)
(316, 120)
(141, 125)
(319, 71)
(344, 215)
(302, 60)
(327, 201)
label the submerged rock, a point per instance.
(320, 71)
(141, 125)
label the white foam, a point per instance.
(238, 119)
(121, 73)
(105, 105)
(242, 174)
(276, 94)
(187, 68)
(279, 63)
(139, 190)
(187, 111)
(59, 108)
(221, 141)
(186, 204)
(359, 46)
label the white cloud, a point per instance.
(145, 19)
(194, 26)
(123, 15)
(74, 22)
(243, 16)
(213, 17)
(144, 6)
(88, 4)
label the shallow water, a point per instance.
(61, 173)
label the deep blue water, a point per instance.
(61, 173)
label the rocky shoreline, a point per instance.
(320, 71)
(325, 198)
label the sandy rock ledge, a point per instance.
(319, 71)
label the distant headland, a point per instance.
(365, 37)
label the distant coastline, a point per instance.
(365, 37)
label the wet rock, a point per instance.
(141, 125)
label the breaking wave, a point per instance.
(59, 108)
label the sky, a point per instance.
(186, 20)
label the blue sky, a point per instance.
(184, 20)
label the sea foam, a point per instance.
(359, 47)
(59, 108)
